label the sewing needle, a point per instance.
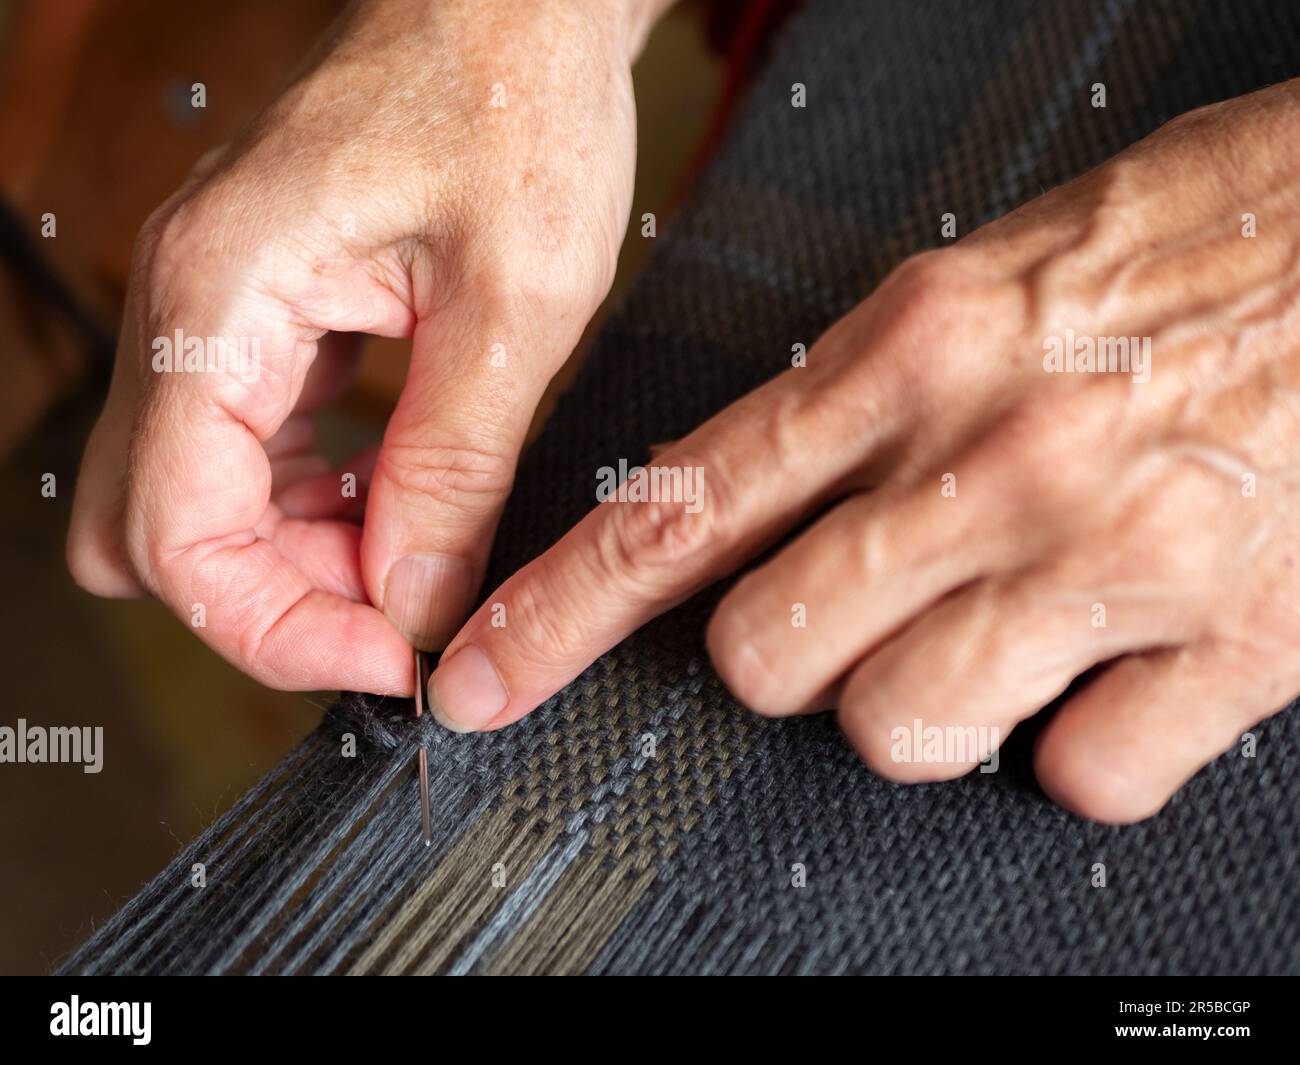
(421, 679)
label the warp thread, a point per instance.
(381, 723)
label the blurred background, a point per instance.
(96, 126)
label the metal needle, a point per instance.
(421, 679)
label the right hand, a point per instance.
(459, 173)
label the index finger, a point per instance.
(706, 505)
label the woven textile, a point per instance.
(642, 821)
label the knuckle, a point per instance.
(652, 543)
(921, 306)
(542, 289)
(919, 275)
(564, 288)
(928, 288)
(1187, 121)
(182, 245)
(462, 476)
(544, 627)
(165, 266)
(149, 236)
(208, 162)
(995, 638)
(866, 537)
(146, 271)
(169, 237)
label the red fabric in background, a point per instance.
(741, 31)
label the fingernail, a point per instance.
(465, 692)
(427, 597)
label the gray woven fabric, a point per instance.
(559, 844)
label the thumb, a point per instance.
(445, 468)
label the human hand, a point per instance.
(459, 173)
(995, 530)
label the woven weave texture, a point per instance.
(642, 821)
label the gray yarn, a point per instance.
(802, 214)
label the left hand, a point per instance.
(398, 188)
(1022, 526)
